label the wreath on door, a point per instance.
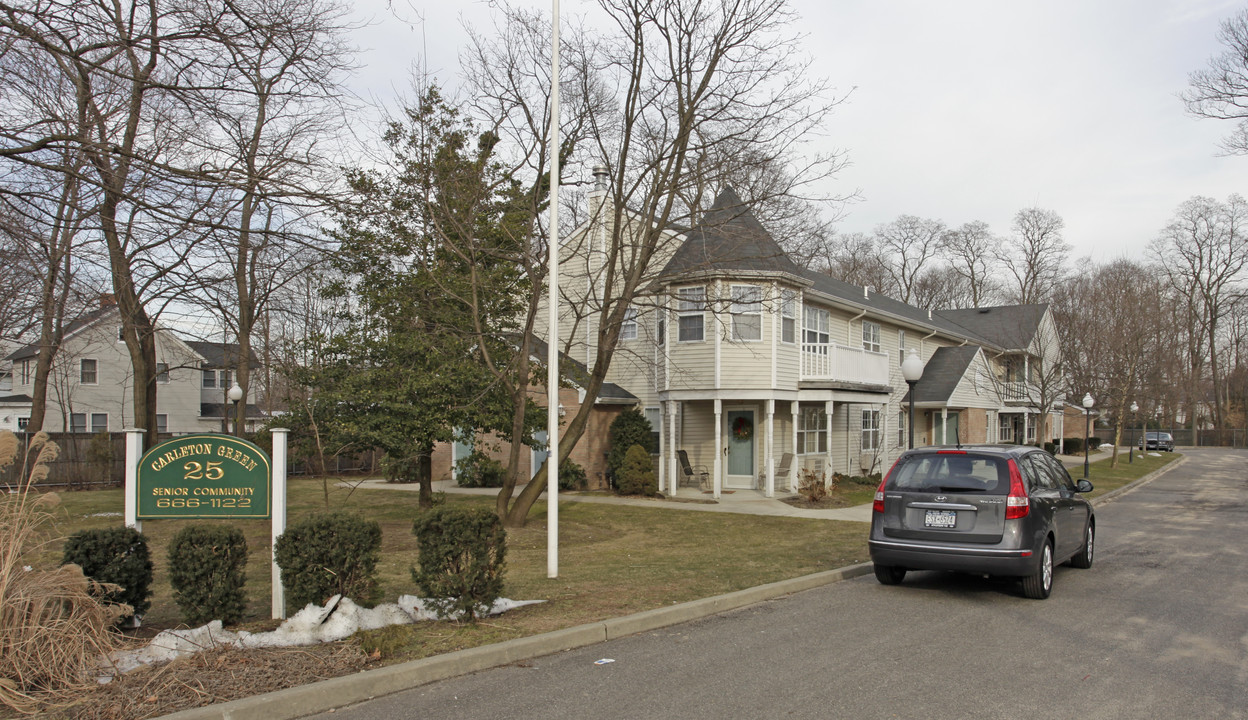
(742, 429)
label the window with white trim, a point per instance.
(27, 372)
(1005, 428)
(99, 422)
(812, 431)
(88, 371)
(162, 372)
(747, 312)
(1031, 427)
(162, 423)
(661, 328)
(690, 309)
(628, 328)
(77, 422)
(870, 336)
(870, 429)
(656, 424)
(209, 378)
(902, 436)
(901, 346)
(788, 316)
(23, 423)
(816, 323)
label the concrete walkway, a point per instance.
(746, 502)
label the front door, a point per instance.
(741, 437)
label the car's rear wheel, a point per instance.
(1039, 585)
(1083, 558)
(889, 575)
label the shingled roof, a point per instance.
(942, 373)
(729, 237)
(1010, 327)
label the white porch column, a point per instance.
(883, 439)
(827, 460)
(795, 408)
(717, 482)
(944, 425)
(662, 451)
(673, 471)
(768, 453)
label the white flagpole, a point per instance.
(552, 345)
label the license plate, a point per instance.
(940, 519)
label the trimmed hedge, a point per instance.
(636, 476)
(207, 569)
(462, 558)
(116, 555)
(329, 554)
(629, 429)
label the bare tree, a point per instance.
(1220, 91)
(1205, 256)
(971, 251)
(1034, 257)
(855, 259)
(909, 244)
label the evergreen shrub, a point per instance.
(1074, 446)
(207, 569)
(462, 557)
(116, 555)
(636, 476)
(629, 429)
(572, 476)
(1094, 442)
(328, 554)
(479, 470)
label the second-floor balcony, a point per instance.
(837, 363)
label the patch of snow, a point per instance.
(338, 619)
(103, 514)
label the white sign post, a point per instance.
(134, 453)
(279, 517)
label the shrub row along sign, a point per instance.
(204, 476)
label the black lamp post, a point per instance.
(1131, 453)
(912, 371)
(235, 395)
(1088, 402)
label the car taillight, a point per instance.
(877, 505)
(1017, 505)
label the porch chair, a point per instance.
(688, 472)
(782, 472)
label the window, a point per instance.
(661, 329)
(870, 429)
(902, 437)
(870, 336)
(27, 372)
(99, 422)
(22, 422)
(815, 325)
(87, 374)
(901, 346)
(77, 422)
(690, 306)
(210, 378)
(747, 312)
(788, 316)
(162, 423)
(1005, 428)
(162, 372)
(656, 425)
(121, 334)
(1031, 428)
(628, 328)
(812, 431)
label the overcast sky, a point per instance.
(962, 110)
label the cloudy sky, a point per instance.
(962, 110)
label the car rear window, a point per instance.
(951, 473)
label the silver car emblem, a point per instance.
(941, 498)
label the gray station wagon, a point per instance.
(996, 510)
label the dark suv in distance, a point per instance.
(1158, 441)
(998, 510)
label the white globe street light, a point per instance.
(1088, 402)
(235, 395)
(912, 371)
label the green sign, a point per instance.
(204, 476)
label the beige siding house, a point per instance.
(760, 370)
(90, 384)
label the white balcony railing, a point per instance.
(1015, 390)
(829, 361)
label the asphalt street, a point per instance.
(1157, 628)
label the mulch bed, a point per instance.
(211, 677)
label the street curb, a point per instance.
(338, 692)
(1137, 484)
